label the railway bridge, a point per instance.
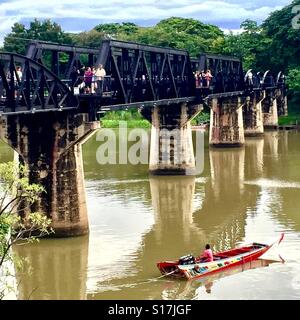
(45, 118)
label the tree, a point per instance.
(114, 30)
(294, 80)
(250, 45)
(284, 49)
(188, 34)
(46, 30)
(16, 194)
(90, 39)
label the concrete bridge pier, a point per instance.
(171, 150)
(270, 110)
(282, 101)
(49, 144)
(253, 115)
(226, 122)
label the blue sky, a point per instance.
(79, 15)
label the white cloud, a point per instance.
(218, 12)
(134, 9)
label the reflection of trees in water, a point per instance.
(271, 152)
(58, 269)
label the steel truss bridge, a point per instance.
(138, 76)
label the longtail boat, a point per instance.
(189, 267)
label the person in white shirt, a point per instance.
(250, 78)
(19, 73)
(99, 75)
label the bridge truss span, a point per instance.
(146, 73)
(34, 89)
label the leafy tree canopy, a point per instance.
(181, 33)
(46, 30)
(284, 49)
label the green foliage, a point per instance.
(16, 195)
(181, 33)
(133, 117)
(113, 30)
(290, 119)
(46, 30)
(284, 49)
(94, 37)
(250, 45)
(123, 115)
(201, 118)
(130, 124)
(294, 79)
(91, 39)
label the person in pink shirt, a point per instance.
(207, 255)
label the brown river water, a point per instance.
(251, 194)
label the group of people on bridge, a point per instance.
(203, 78)
(89, 80)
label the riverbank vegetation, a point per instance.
(16, 195)
(132, 117)
(135, 120)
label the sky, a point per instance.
(79, 15)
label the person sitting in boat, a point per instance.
(207, 255)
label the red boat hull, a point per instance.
(222, 261)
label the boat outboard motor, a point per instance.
(185, 260)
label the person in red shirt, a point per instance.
(207, 255)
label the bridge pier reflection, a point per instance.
(49, 144)
(254, 166)
(59, 269)
(224, 209)
(271, 145)
(172, 201)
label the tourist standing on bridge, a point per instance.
(198, 79)
(80, 80)
(208, 77)
(19, 73)
(94, 84)
(88, 78)
(100, 74)
(18, 78)
(74, 76)
(250, 79)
